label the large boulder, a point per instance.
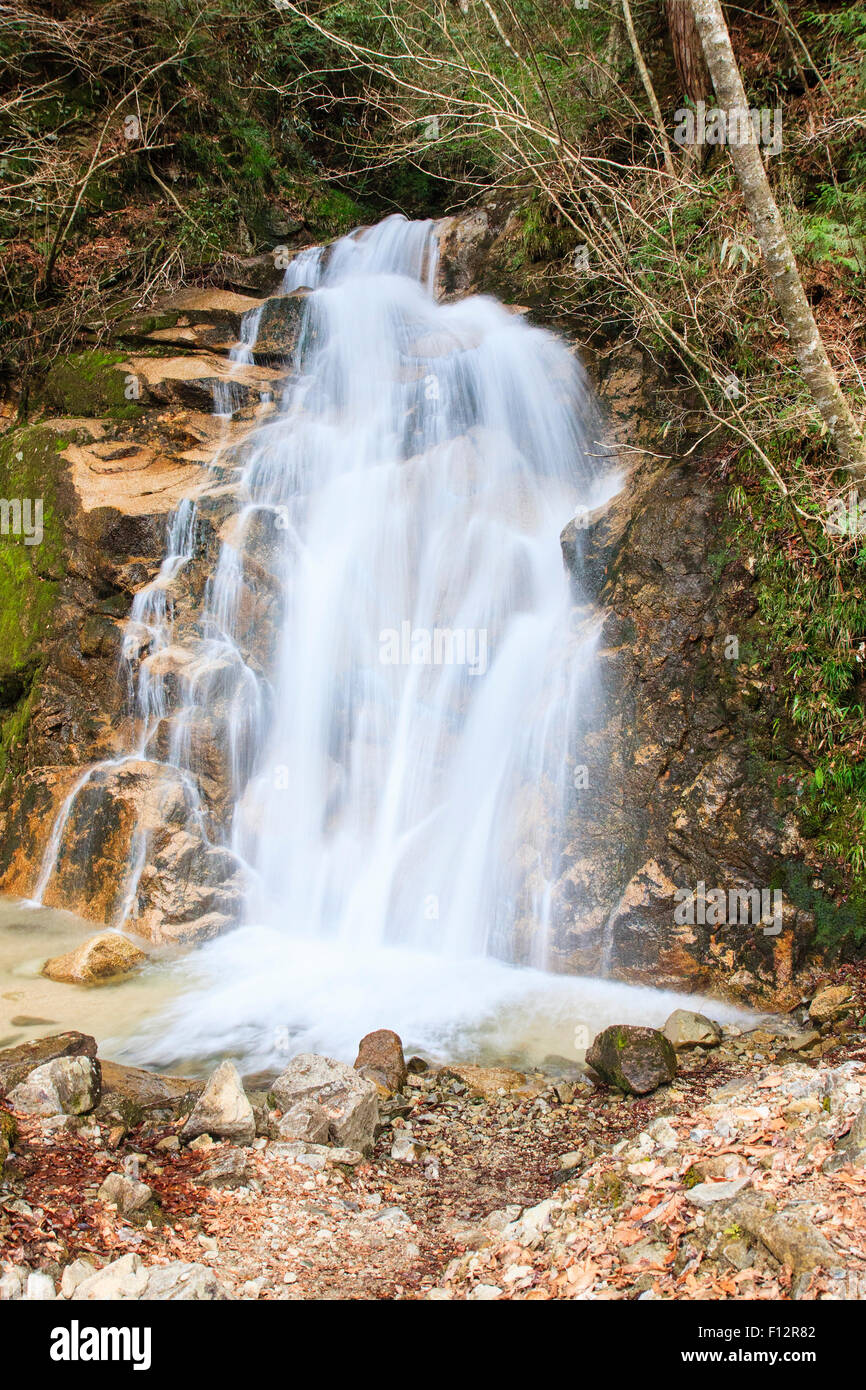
(222, 1109)
(134, 1093)
(16, 1063)
(380, 1058)
(685, 1030)
(66, 1086)
(635, 1060)
(349, 1099)
(101, 958)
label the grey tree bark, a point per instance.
(769, 230)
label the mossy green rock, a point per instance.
(635, 1060)
(91, 383)
(31, 566)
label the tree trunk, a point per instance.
(769, 230)
(694, 74)
(648, 86)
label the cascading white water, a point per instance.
(422, 466)
(400, 770)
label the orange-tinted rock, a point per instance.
(100, 958)
(380, 1058)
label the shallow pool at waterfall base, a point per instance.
(262, 997)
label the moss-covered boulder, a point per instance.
(32, 563)
(92, 383)
(635, 1060)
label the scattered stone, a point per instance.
(136, 1093)
(800, 1041)
(572, 1159)
(529, 1227)
(181, 1282)
(738, 1254)
(417, 1065)
(492, 1082)
(202, 1143)
(705, 1194)
(685, 1030)
(830, 1003)
(130, 1197)
(349, 1099)
(102, 957)
(503, 1216)
(65, 1086)
(635, 1060)
(224, 1168)
(789, 1235)
(796, 1241)
(380, 1058)
(222, 1109)
(350, 1157)
(393, 1216)
(663, 1134)
(310, 1160)
(405, 1149)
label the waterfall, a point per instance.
(412, 760)
(401, 713)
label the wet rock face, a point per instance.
(463, 243)
(679, 794)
